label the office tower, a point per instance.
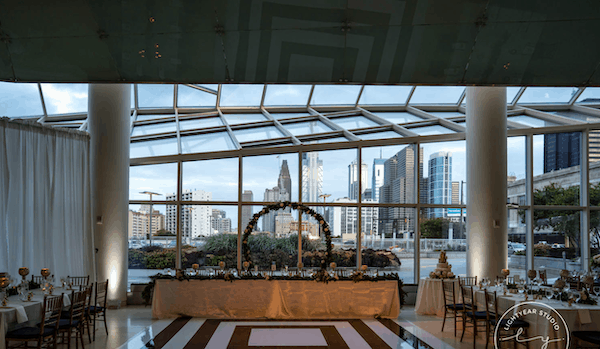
(247, 196)
(273, 195)
(377, 179)
(312, 177)
(139, 222)
(424, 190)
(285, 180)
(561, 150)
(353, 179)
(440, 179)
(345, 219)
(219, 222)
(455, 193)
(399, 186)
(195, 219)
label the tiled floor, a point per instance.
(133, 327)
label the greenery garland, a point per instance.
(282, 205)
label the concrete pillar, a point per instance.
(487, 230)
(109, 111)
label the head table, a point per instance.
(19, 314)
(275, 299)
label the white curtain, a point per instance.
(45, 208)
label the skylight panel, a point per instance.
(577, 115)
(65, 98)
(257, 134)
(436, 95)
(157, 147)
(306, 128)
(17, 100)
(155, 95)
(154, 129)
(141, 117)
(590, 95)
(431, 130)
(280, 116)
(353, 122)
(199, 123)
(531, 121)
(399, 117)
(547, 95)
(326, 140)
(241, 95)
(379, 135)
(213, 87)
(234, 119)
(511, 93)
(278, 95)
(217, 141)
(191, 97)
(384, 95)
(335, 95)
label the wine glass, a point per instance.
(596, 290)
(521, 287)
(549, 293)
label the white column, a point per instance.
(486, 181)
(109, 111)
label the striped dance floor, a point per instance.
(211, 333)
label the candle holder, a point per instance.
(23, 272)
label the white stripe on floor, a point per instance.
(183, 336)
(139, 340)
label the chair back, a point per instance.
(543, 276)
(38, 279)
(449, 297)
(574, 282)
(88, 298)
(467, 281)
(467, 297)
(510, 280)
(100, 297)
(78, 281)
(491, 306)
(78, 304)
(51, 312)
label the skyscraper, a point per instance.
(377, 179)
(246, 210)
(561, 150)
(440, 179)
(455, 193)
(312, 177)
(285, 180)
(353, 179)
(219, 222)
(273, 195)
(195, 219)
(399, 186)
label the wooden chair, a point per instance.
(467, 281)
(491, 309)
(37, 279)
(45, 333)
(98, 310)
(75, 319)
(544, 277)
(574, 282)
(87, 316)
(78, 281)
(471, 315)
(451, 309)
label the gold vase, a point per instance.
(45, 272)
(23, 272)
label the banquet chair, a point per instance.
(470, 314)
(98, 310)
(45, 333)
(78, 281)
(574, 282)
(544, 277)
(451, 308)
(592, 337)
(87, 316)
(39, 279)
(491, 309)
(467, 281)
(75, 318)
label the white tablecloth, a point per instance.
(276, 299)
(430, 296)
(18, 313)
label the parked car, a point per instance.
(515, 247)
(557, 245)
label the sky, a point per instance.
(261, 172)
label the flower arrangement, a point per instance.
(559, 284)
(531, 274)
(505, 272)
(585, 298)
(564, 273)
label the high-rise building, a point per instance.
(273, 195)
(247, 196)
(312, 177)
(195, 219)
(377, 179)
(353, 179)
(440, 179)
(399, 186)
(139, 222)
(561, 150)
(219, 222)
(455, 193)
(345, 219)
(285, 180)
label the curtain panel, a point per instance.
(45, 207)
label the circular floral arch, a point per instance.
(280, 206)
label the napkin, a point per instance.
(584, 316)
(21, 314)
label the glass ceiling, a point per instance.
(170, 119)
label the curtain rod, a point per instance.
(33, 123)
